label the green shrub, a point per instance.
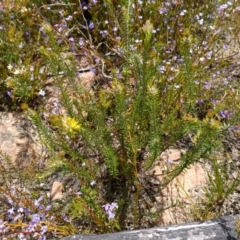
(162, 66)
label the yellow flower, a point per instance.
(24, 106)
(70, 125)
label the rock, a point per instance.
(177, 192)
(220, 229)
(56, 191)
(172, 155)
(87, 79)
(19, 140)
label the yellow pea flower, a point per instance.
(70, 125)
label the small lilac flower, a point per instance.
(110, 209)
(91, 25)
(81, 42)
(225, 46)
(161, 69)
(27, 211)
(97, 60)
(200, 21)
(21, 210)
(48, 207)
(41, 92)
(9, 94)
(17, 217)
(21, 236)
(3, 228)
(103, 33)
(71, 39)
(92, 183)
(31, 226)
(163, 10)
(69, 18)
(42, 237)
(207, 85)
(43, 229)
(93, 70)
(61, 12)
(36, 202)
(11, 211)
(222, 8)
(26, 34)
(66, 219)
(35, 218)
(182, 13)
(224, 114)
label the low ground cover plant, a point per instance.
(162, 76)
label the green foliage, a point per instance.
(220, 187)
(158, 64)
(218, 191)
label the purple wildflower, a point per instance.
(207, 85)
(93, 70)
(222, 7)
(11, 211)
(36, 218)
(224, 114)
(3, 228)
(91, 25)
(42, 237)
(66, 219)
(9, 94)
(92, 183)
(110, 209)
(104, 33)
(48, 207)
(41, 92)
(43, 229)
(21, 236)
(163, 10)
(69, 18)
(37, 202)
